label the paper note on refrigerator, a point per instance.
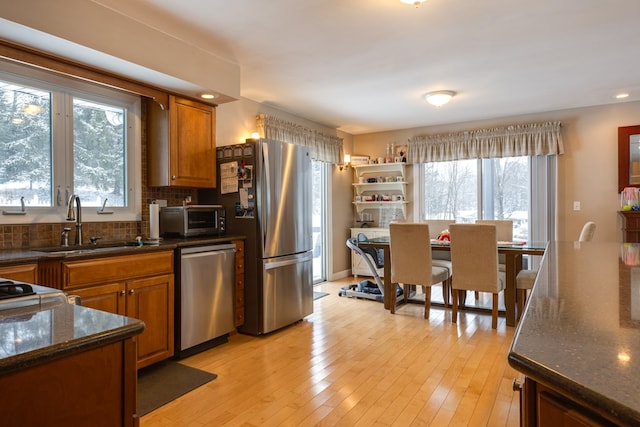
(229, 177)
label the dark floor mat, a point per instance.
(160, 384)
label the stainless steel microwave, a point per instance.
(192, 220)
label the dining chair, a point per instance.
(504, 228)
(526, 278)
(411, 261)
(441, 258)
(504, 233)
(474, 254)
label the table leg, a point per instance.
(510, 288)
(387, 277)
(513, 266)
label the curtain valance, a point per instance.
(534, 139)
(324, 148)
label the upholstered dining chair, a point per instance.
(474, 254)
(504, 228)
(411, 262)
(441, 258)
(526, 278)
(504, 233)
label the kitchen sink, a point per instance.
(70, 250)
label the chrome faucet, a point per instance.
(77, 217)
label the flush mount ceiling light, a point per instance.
(416, 3)
(207, 96)
(439, 98)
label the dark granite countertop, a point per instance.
(30, 336)
(580, 332)
(17, 256)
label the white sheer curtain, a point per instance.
(324, 148)
(533, 139)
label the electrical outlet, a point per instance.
(161, 203)
(576, 206)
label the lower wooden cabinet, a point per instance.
(543, 406)
(138, 286)
(96, 388)
(27, 273)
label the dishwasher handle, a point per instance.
(208, 248)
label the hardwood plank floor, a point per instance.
(351, 363)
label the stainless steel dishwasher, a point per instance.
(204, 297)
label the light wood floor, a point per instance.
(353, 364)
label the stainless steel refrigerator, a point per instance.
(265, 187)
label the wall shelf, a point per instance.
(390, 182)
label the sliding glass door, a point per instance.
(319, 221)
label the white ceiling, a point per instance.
(363, 65)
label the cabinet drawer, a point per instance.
(117, 268)
(25, 273)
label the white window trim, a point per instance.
(54, 82)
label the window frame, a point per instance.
(64, 89)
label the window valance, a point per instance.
(534, 139)
(324, 148)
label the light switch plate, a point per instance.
(576, 206)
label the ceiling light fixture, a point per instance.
(439, 97)
(207, 96)
(416, 3)
(622, 95)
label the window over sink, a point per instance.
(61, 136)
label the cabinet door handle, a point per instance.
(123, 293)
(132, 291)
(516, 385)
(173, 177)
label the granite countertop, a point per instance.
(15, 256)
(30, 336)
(580, 332)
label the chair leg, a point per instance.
(494, 312)
(462, 297)
(454, 307)
(427, 300)
(446, 289)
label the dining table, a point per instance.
(512, 252)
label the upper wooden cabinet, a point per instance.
(181, 144)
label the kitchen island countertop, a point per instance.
(580, 332)
(32, 336)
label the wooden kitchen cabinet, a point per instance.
(544, 406)
(630, 226)
(95, 387)
(109, 297)
(181, 144)
(24, 273)
(238, 312)
(139, 286)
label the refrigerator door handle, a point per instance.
(277, 264)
